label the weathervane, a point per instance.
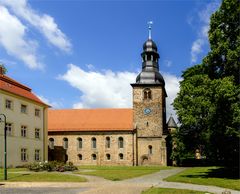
(150, 23)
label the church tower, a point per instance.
(149, 109)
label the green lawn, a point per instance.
(116, 173)
(208, 176)
(170, 191)
(13, 170)
(18, 176)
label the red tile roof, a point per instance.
(14, 87)
(90, 120)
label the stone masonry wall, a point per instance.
(101, 150)
(150, 126)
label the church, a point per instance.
(134, 136)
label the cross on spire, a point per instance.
(150, 23)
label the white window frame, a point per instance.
(9, 104)
(37, 155)
(37, 131)
(9, 129)
(37, 112)
(24, 108)
(23, 131)
(24, 155)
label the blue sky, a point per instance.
(84, 54)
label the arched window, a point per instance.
(107, 142)
(120, 142)
(94, 142)
(79, 142)
(65, 143)
(149, 149)
(108, 156)
(120, 156)
(94, 156)
(51, 143)
(147, 94)
(80, 156)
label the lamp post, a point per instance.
(5, 145)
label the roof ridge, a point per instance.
(14, 82)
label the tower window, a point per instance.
(147, 94)
(120, 142)
(149, 149)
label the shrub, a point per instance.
(51, 166)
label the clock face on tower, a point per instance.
(147, 111)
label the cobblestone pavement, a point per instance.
(97, 185)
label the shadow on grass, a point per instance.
(221, 172)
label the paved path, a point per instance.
(98, 185)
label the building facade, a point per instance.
(26, 123)
(134, 136)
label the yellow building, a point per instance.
(26, 123)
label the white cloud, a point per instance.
(172, 88)
(42, 22)
(196, 49)
(90, 67)
(13, 39)
(202, 36)
(168, 63)
(109, 89)
(53, 104)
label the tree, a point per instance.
(223, 59)
(3, 68)
(208, 104)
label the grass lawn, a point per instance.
(208, 176)
(13, 170)
(15, 174)
(116, 173)
(170, 191)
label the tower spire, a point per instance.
(150, 23)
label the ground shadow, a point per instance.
(221, 172)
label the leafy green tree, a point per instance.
(223, 59)
(4, 68)
(208, 104)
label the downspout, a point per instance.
(44, 134)
(45, 130)
(136, 147)
(133, 147)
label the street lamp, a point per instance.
(5, 145)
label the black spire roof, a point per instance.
(150, 68)
(171, 123)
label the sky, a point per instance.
(85, 54)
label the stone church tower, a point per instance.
(149, 109)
